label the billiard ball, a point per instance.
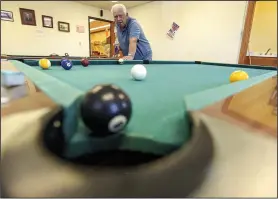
(105, 110)
(63, 59)
(85, 62)
(44, 63)
(238, 75)
(66, 64)
(121, 61)
(138, 72)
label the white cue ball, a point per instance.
(138, 72)
(121, 61)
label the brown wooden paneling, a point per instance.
(261, 61)
(251, 109)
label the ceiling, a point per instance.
(106, 5)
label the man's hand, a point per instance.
(127, 58)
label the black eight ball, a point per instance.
(105, 109)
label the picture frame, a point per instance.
(63, 26)
(28, 17)
(7, 16)
(47, 21)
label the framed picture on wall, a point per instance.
(47, 21)
(28, 17)
(63, 26)
(7, 15)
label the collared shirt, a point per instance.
(133, 29)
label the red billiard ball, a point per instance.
(85, 62)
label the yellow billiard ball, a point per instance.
(44, 63)
(238, 75)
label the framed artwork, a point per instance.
(63, 26)
(47, 21)
(28, 17)
(7, 15)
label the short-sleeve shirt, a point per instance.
(133, 29)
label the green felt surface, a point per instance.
(158, 123)
(195, 101)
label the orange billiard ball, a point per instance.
(238, 75)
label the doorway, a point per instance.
(258, 46)
(101, 38)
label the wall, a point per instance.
(20, 39)
(264, 28)
(209, 30)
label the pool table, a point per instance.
(166, 149)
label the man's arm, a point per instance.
(133, 39)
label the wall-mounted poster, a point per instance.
(80, 29)
(7, 15)
(171, 33)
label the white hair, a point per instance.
(118, 7)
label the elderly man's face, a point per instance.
(120, 17)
